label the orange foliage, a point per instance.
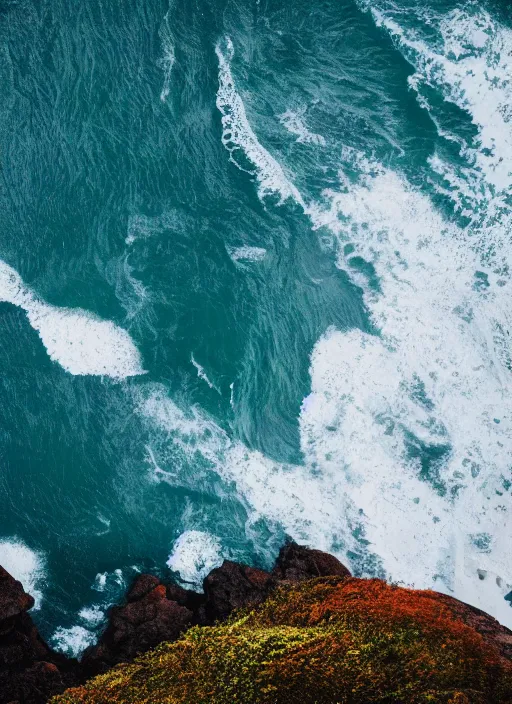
(349, 641)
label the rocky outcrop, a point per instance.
(155, 612)
(147, 619)
(319, 641)
(30, 672)
(492, 631)
(296, 563)
(232, 586)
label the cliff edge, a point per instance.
(305, 633)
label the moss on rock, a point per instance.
(325, 641)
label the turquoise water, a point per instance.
(255, 283)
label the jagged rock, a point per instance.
(13, 600)
(191, 600)
(147, 619)
(30, 672)
(232, 586)
(296, 563)
(142, 585)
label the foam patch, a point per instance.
(194, 555)
(79, 341)
(25, 565)
(73, 641)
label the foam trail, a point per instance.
(194, 555)
(471, 65)
(248, 254)
(25, 565)
(202, 374)
(293, 122)
(306, 504)
(79, 341)
(169, 57)
(238, 135)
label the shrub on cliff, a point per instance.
(325, 641)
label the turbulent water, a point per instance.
(255, 282)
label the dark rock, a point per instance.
(187, 598)
(13, 599)
(147, 619)
(296, 563)
(142, 585)
(232, 586)
(30, 672)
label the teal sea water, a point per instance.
(255, 282)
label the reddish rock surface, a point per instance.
(147, 619)
(30, 672)
(491, 630)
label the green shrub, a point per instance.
(327, 641)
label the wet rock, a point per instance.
(30, 672)
(232, 586)
(296, 563)
(13, 599)
(142, 585)
(189, 599)
(147, 619)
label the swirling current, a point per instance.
(255, 283)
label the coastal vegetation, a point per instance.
(324, 641)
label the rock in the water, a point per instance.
(297, 563)
(189, 599)
(142, 585)
(13, 599)
(232, 586)
(30, 672)
(147, 619)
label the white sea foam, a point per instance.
(168, 58)
(78, 340)
(73, 641)
(437, 376)
(471, 66)
(93, 615)
(238, 135)
(293, 121)
(202, 374)
(25, 565)
(247, 254)
(100, 581)
(194, 555)
(307, 505)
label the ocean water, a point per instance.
(255, 282)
